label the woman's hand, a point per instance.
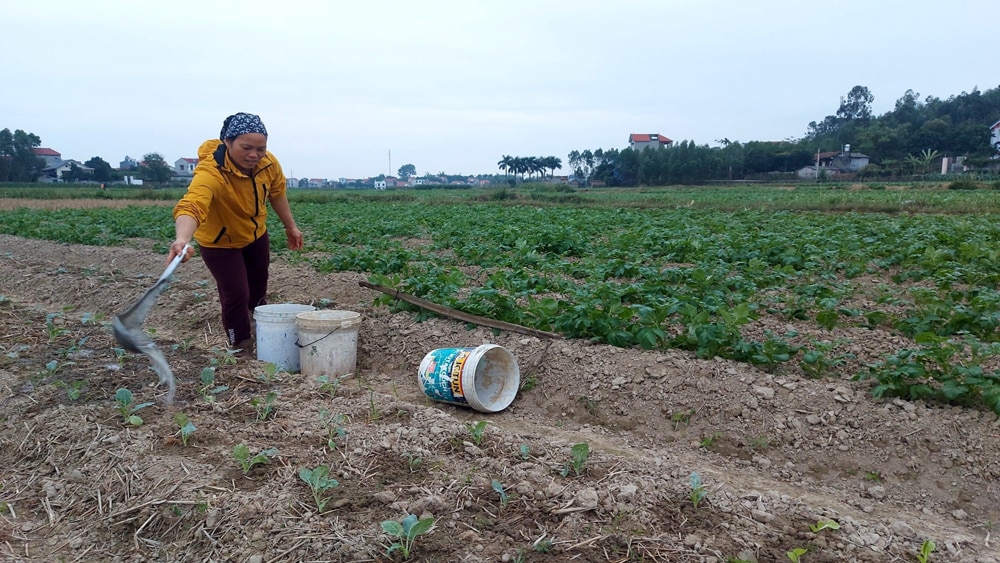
(176, 248)
(184, 226)
(280, 206)
(294, 238)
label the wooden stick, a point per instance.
(460, 315)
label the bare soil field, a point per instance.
(777, 452)
(6, 204)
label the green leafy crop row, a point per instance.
(681, 277)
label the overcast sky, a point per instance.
(453, 85)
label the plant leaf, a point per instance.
(497, 486)
(392, 528)
(408, 523)
(141, 406)
(420, 527)
(124, 396)
(695, 480)
(241, 452)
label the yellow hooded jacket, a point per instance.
(230, 207)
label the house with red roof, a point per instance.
(52, 158)
(185, 166)
(833, 163)
(640, 141)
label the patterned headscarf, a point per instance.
(241, 123)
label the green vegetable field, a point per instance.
(691, 269)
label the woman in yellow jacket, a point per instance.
(225, 211)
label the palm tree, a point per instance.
(551, 163)
(927, 156)
(533, 164)
(519, 166)
(923, 161)
(506, 164)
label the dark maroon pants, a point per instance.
(241, 275)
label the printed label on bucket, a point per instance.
(441, 377)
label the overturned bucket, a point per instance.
(328, 342)
(485, 377)
(276, 334)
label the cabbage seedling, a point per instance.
(926, 549)
(241, 453)
(795, 555)
(208, 392)
(412, 461)
(54, 331)
(821, 525)
(319, 482)
(270, 374)
(223, 357)
(504, 496)
(127, 407)
(89, 319)
(327, 385)
(52, 368)
(679, 418)
(187, 427)
(334, 430)
(580, 453)
(406, 533)
(698, 491)
(74, 389)
(476, 430)
(264, 406)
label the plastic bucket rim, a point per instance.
(270, 311)
(469, 377)
(306, 321)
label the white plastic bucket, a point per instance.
(328, 342)
(485, 377)
(277, 333)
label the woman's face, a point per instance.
(246, 150)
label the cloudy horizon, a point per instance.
(452, 86)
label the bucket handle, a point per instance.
(318, 339)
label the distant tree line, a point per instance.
(901, 142)
(19, 163)
(520, 166)
(956, 126)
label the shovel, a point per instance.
(127, 328)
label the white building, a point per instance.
(995, 137)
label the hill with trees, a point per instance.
(900, 143)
